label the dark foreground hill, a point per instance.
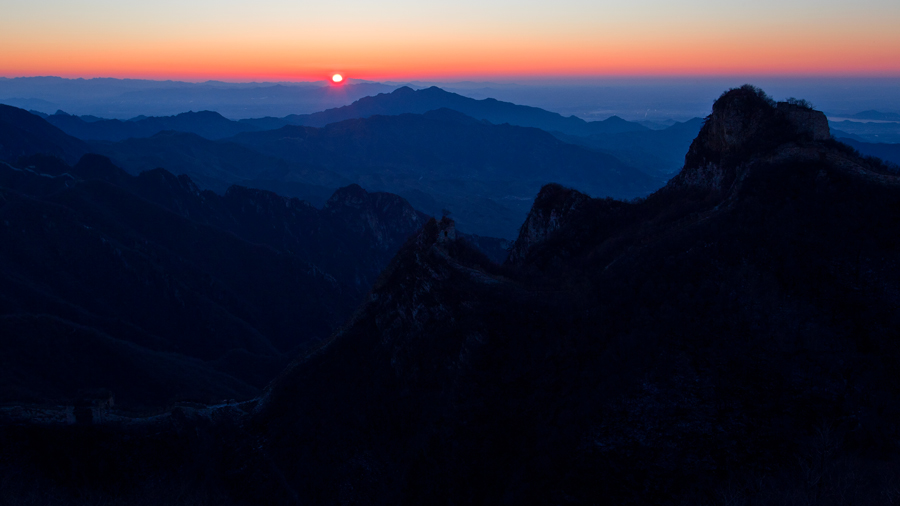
(158, 291)
(731, 339)
(22, 134)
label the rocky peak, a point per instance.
(746, 124)
(348, 196)
(552, 208)
(806, 121)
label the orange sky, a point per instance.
(399, 39)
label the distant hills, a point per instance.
(128, 98)
(887, 152)
(869, 126)
(403, 100)
(485, 174)
(406, 100)
(657, 152)
(452, 158)
(207, 124)
(213, 165)
(877, 116)
(881, 132)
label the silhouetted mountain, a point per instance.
(207, 124)
(200, 296)
(722, 337)
(729, 339)
(405, 100)
(656, 152)
(452, 158)
(23, 134)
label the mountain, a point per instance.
(869, 131)
(482, 172)
(173, 292)
(22, 133)
(434, 170)
(656, 152)
(213, 165)
(877, 116)
(739, 322)
(887, 152)
(730, 339)
(207, 124)
(405, 100)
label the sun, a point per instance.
(337, 78)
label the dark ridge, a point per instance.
(24, 134)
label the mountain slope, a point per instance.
(205, 295)
(731, 339)
(630, 352)
(22, 134)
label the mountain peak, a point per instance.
(746, 114)
(746, 124)
(349, 196)
(552, 207)
(403, 90)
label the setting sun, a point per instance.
(337, 78)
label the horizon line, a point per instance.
(475, 79)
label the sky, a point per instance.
(462, 39)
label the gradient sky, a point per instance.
(405, 39)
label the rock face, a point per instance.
(806, 121)
(553, 206)
(745, 126)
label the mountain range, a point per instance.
(205, 295)
(128, 98)
(405, 100)
(441, 160)
(627, 353)
(206, 124)
(22, 134)
(729, 339)
(490, 203)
